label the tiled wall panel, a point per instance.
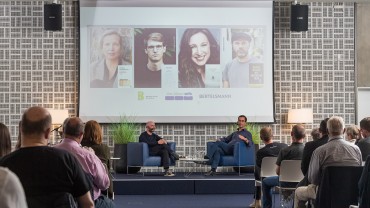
(313, 69)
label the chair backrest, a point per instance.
(338, 187)
(290, 171)
(268, 167)
(243, 155)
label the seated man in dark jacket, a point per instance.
(225, 146)
(158, 146)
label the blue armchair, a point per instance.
(243, 156)
(138, 155)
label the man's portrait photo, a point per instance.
(154, 48)
(246, 67)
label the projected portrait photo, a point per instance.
(246, 67)
(154, 55)
(199, 47)
(110, 48)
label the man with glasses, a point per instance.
(364, 144)
(150, 75)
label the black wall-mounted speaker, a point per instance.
(299, 18)
(53, 17)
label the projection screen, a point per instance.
(176, 61)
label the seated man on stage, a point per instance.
(158, 147)
(225, 146)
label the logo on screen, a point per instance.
(140, 95)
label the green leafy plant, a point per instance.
(254, 129)
(125, 131)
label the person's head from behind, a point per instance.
(93, 132)
(241, 44)
(352, 132)
(150, 126)
(298, 133)
(200, 45)
(365, 127)
(35, 126)
(5, 143)
(315, 134)
(111, 44)
(323, 127)
(242, 121)
(266, 135)
(155, 47)
(335, 126)
(73, 128)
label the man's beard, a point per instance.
(241, 54)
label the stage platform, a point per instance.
(196, 183)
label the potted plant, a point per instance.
(123, 132)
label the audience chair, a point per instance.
(268, 168)
(290, 176)
(242, 156)
(138, 155)
(338, 187)
(110, 191)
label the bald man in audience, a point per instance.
(44, 171)
(73, 129)
(336, 152)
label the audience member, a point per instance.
(198, 47)
(45, 171)
(315, 134)
(364, 186)
(93, 138)
(293, 152)
(73, 130)
(364, 144)
(225, 145)
(352, 134)
(5, 143)
(11, 190)
(310, 147)
(158, 146)
(271, 149)
(337, 152)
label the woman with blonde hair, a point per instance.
(93, 138)
(352, 134)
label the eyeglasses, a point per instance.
(157, 47)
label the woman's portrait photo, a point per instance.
(198, 47)
(110, 47)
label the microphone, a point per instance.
(56, 129)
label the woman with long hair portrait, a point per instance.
(198, 47)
